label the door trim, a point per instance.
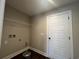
(69, 12)
(2, 8)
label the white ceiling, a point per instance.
(33, 7)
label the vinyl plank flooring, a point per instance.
(34, 55)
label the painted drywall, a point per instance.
(38, 41)
(15, 23)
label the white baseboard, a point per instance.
(40, 52)
(20, 51)
(16, 53)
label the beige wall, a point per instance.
(39, 33)
(39, 26)
(16, 23)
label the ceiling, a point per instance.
(33, 7)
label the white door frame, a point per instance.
(2, 7)
(70, 12)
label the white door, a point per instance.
(60, 36)
(2, 6)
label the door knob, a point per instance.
(49, 38)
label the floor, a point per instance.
(34, 55)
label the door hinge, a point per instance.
(68, 17)
(69, 37)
